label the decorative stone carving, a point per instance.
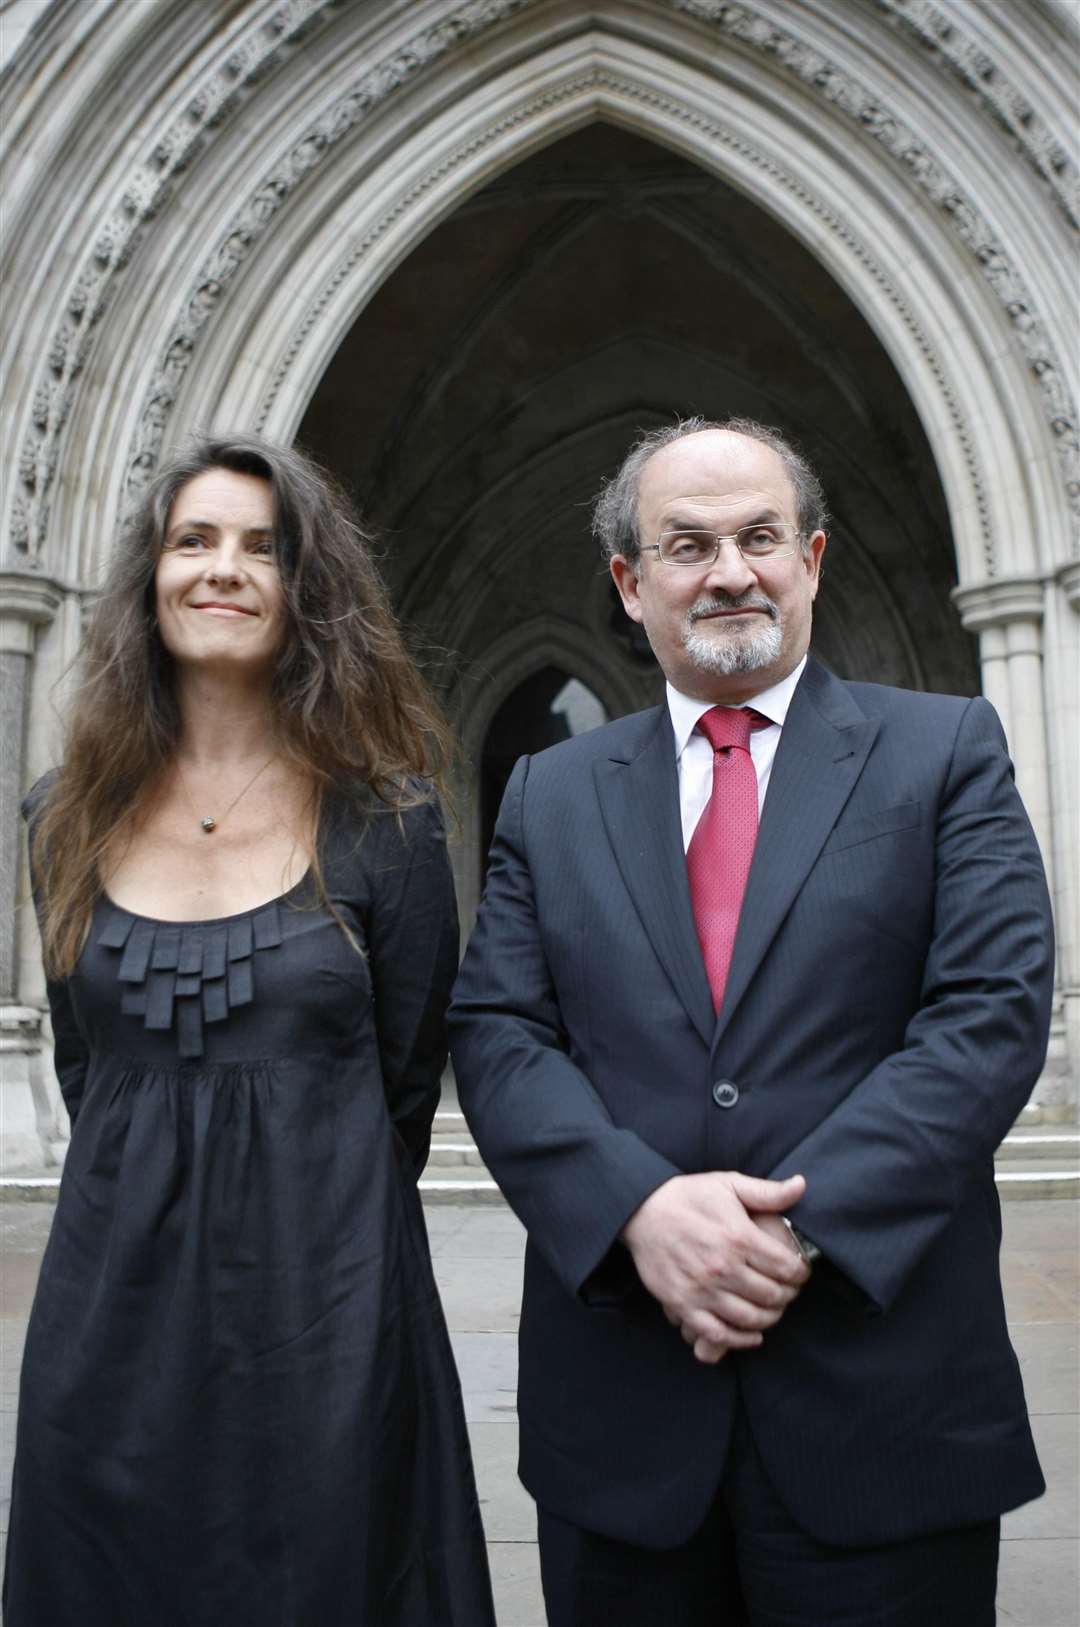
(944, 40)
(339, 120)
(939, 34)
(142, 196)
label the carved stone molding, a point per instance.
(948, 46)
(212, 102)
(339, 120)
(947, 192)
(226, 86)
(938, 33)
(628, 89)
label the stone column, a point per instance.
(27, 1114)
(1009, 617)
(1062, 654)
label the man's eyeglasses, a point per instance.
(774, 540)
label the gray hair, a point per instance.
(615, 514)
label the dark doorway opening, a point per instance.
(548, 707)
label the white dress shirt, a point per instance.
(694, 754)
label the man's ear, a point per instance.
(625, 576)
(814, 565)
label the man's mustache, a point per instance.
(724, 601)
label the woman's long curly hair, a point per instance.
(351, 709)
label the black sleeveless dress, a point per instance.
(239, 1403)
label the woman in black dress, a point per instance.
(239, 1404)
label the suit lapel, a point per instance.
(823, 746)
(639, 800)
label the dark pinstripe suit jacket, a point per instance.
(884, 1021)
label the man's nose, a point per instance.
(729, 570)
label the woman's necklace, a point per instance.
(208, 822)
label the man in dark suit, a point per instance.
(743, 1083)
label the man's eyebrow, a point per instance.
(764, 516)
(677, 520)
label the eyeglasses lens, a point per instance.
(770, 541)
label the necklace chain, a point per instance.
(209, 823)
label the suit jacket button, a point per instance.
(725, 1093)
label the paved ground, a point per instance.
(477, 1254)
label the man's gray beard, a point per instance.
(734, 652)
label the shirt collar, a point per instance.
(772, 703)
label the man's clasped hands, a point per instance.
(716, 1253)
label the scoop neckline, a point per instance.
(209, 920)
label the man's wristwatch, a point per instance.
(809, 1251)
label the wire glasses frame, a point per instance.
(774, 540)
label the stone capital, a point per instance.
(1069, 577)
(995, 604)
(19, 1026)
(26, 602)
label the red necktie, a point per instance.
(722, 846)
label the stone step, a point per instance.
(453, 1154)
(1037, 1159)
(1040, 1157)
(1060, 1144)
(1062, 1114)
(29, 1188)
(449, 1122)
(437, 1189)
(1020, 1179)
(1037, 1181)
(455, 1171)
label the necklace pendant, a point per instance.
(208, 824)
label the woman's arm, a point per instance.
(71, 1053)
(412, 934)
